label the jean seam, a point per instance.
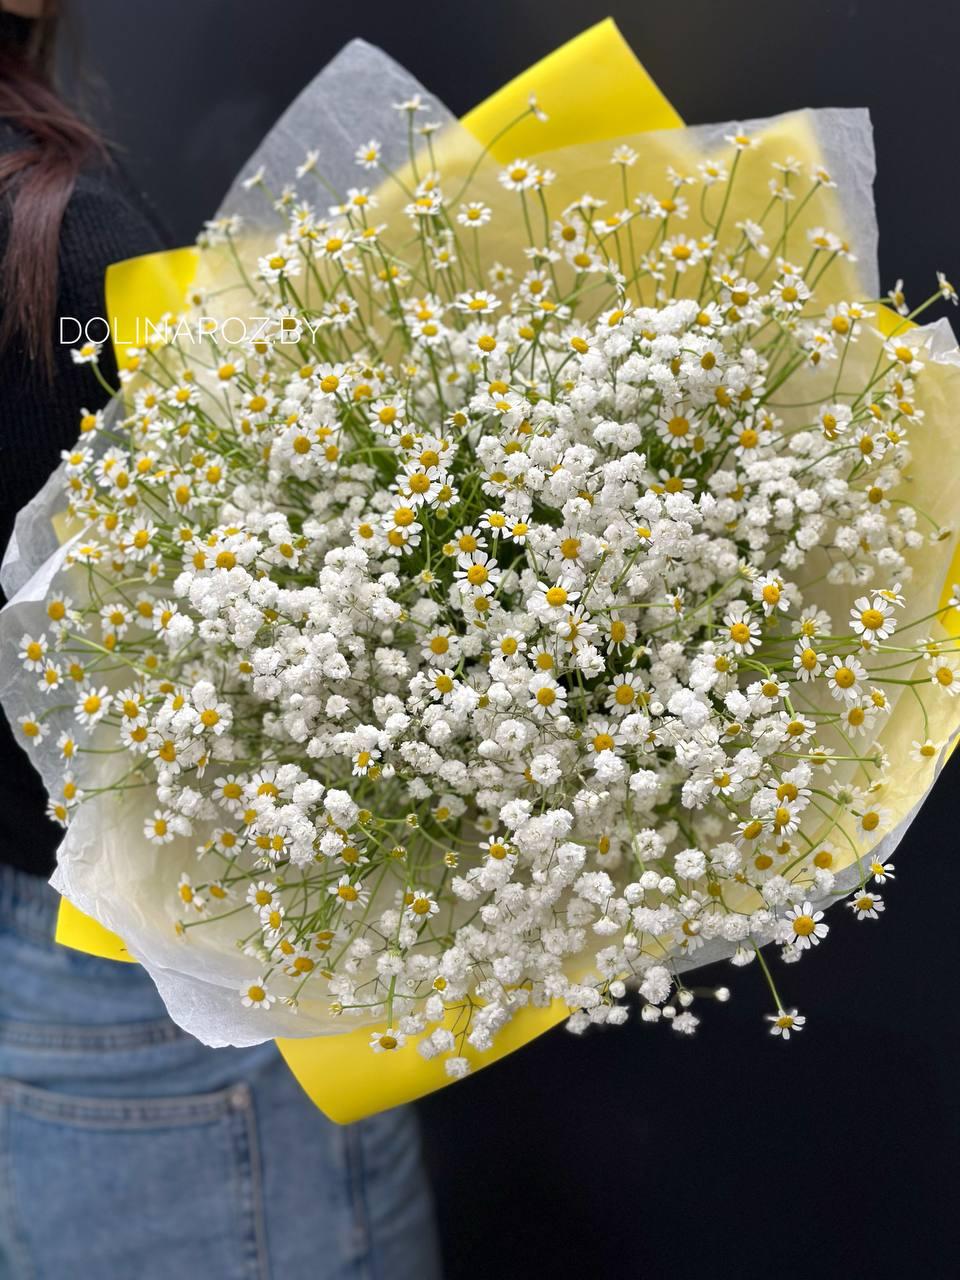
(12, 1235)
(249, 1162)
(64, 1038)
(356, 1179)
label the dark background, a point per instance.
(635, 1152)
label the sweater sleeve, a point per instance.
(39, 417)
(104, 222)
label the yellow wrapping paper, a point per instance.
(143, 289)
(593, 88)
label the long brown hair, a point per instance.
(36, 179)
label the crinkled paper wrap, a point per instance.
(104, 868)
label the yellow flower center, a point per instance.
(740, 633)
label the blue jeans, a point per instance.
(130, 1151)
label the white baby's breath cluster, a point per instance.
(472, 638)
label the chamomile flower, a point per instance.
(785, 1023)
(160, 829)
(349, 894)
(368, 155)
(945, 675)
(475, 214)
(807, 925)
(92, 705)
(364, 761)
(547, 697)
(254, 995)
(387, 1041)
(33, 652)
(419, 905)
(866, 905)
(844, 678)
(807, 662)
(881, 871)
(261, 894)
(742, 629)
(872, 618)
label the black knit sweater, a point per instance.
(105, 221)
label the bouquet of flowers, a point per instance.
(506, 584)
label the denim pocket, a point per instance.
(96, 1188)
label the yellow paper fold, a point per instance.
(348, 1081)
(140, 290)
(81, 932)
(591, 88)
